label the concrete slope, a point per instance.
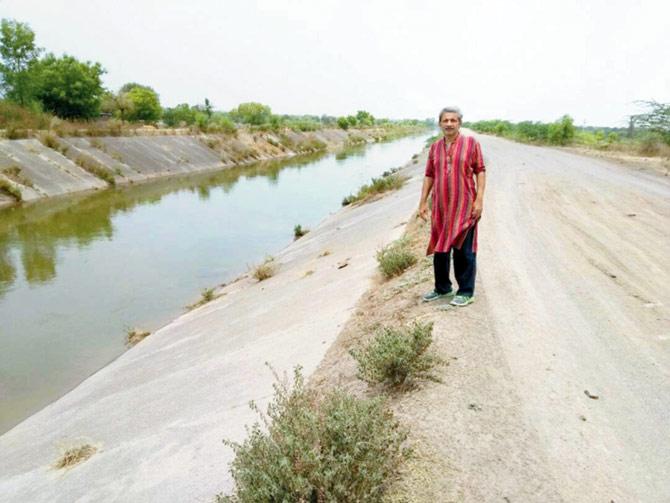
(158, 413)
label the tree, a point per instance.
(146, 105)
(252, 113)
(182, 113)
(19, 55)
(208, 108)
(657, 119)
(69, 88)
(343, 123)
(561, 131)
(364, 118)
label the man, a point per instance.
(456, 176)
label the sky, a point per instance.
(514, 60)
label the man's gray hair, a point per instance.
(450, 110)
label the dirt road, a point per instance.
(575, 265)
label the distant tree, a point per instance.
(146, 104)
(208, 108)
(119, 105)
(353, 122)
(562, 131)
(364, 119)
(657, 119)
(343, 123)
(252, 113)
(19, 56)
(69, 88)
(181, 114)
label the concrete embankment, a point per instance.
(49, 166)
(158, 413)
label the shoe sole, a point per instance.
(470, 301)
(444, 295)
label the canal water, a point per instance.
(76, 273)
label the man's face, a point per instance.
(450, 124)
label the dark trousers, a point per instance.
(465, 268)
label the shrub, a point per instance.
(265, 270)
(337, 448)
(395, 258)
(396, 355)
(379, 185)
(15, 175)
(75, 455)
(299, 232)
(49, 140)
(11, 190)
(135, 336)
(89, 164)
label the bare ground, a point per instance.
(557, 385)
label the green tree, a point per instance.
(19, 56)
(69, 88)
(208, 108)
(562, 131)
(181, 114)
(657, 119)
(343, 123)
(146, 105)
(251, 113)
(364, 119)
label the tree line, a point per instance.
(39, 81)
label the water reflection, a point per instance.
(37, 231)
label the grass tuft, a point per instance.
(317, 448)
(398, 355)
(389, 181)
(135, 336)
(395, 258)
(299, 232)
(88, 163)
(15, 175)
(265, 270)
(74, 456)
(11, 190)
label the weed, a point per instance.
(312, 448)
(10, 190)
(396, 355)
(299, 232)
(135, 336)
(15, 175)
(376, 186)
(395, 258)
(75, 455)
(49, 140)
(87, 163)
(96, 143)
(324, 253)
(265, 270)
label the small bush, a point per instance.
(330, 449)
(376, 186)
(11, 190)
(49, 140)
(396, 355)
(135, 336)
(395, 258)
(15, 175)
(75, 455)
(299, 232)
(265, 270)
(87, 163)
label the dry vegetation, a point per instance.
(265, 270)
(135, 336)
(74, 455)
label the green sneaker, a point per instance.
(462, 300)
(434, 295)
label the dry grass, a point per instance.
(135, 336)
(10, 190)
(206, 295)
(265, 270)
(75, 455)
(15, 175)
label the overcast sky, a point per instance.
(516, 60)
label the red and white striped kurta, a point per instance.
(452, 168)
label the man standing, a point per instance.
(456, 175)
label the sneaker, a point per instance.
(462, 300)
(434, 295)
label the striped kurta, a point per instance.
(452, 168)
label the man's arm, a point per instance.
(425, 192)
(478, 205)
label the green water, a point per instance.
(77, 272)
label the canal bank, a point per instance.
(158, 413)
(47, 165)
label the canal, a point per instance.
(76, 273)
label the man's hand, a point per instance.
(424, 211)
(477, 209)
